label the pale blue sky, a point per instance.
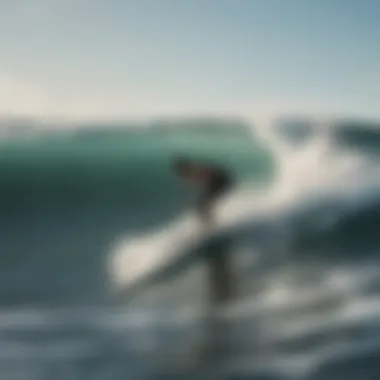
(93, 58)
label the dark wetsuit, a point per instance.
(217, 185)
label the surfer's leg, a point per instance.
(221, 289)
(221, 281)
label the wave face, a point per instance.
(305, 246)
(71, 195)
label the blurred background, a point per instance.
(103, 272)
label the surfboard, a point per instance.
(161, 255)
(183, 251)
(142, 259)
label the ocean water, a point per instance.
(90, 211)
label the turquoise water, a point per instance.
(70, 196)
(307, 263)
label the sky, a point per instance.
(144, 58)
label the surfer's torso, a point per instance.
(212, 178)
(215, 182)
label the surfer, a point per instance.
(216, 181)
(221, 282)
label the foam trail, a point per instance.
(316, 167)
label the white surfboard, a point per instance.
(151, 257)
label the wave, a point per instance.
(78, 196)
(305, 244)
(329, 228)
(72, 194)
(333, 211)
(358, 135)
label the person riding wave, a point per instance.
(215, 180)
